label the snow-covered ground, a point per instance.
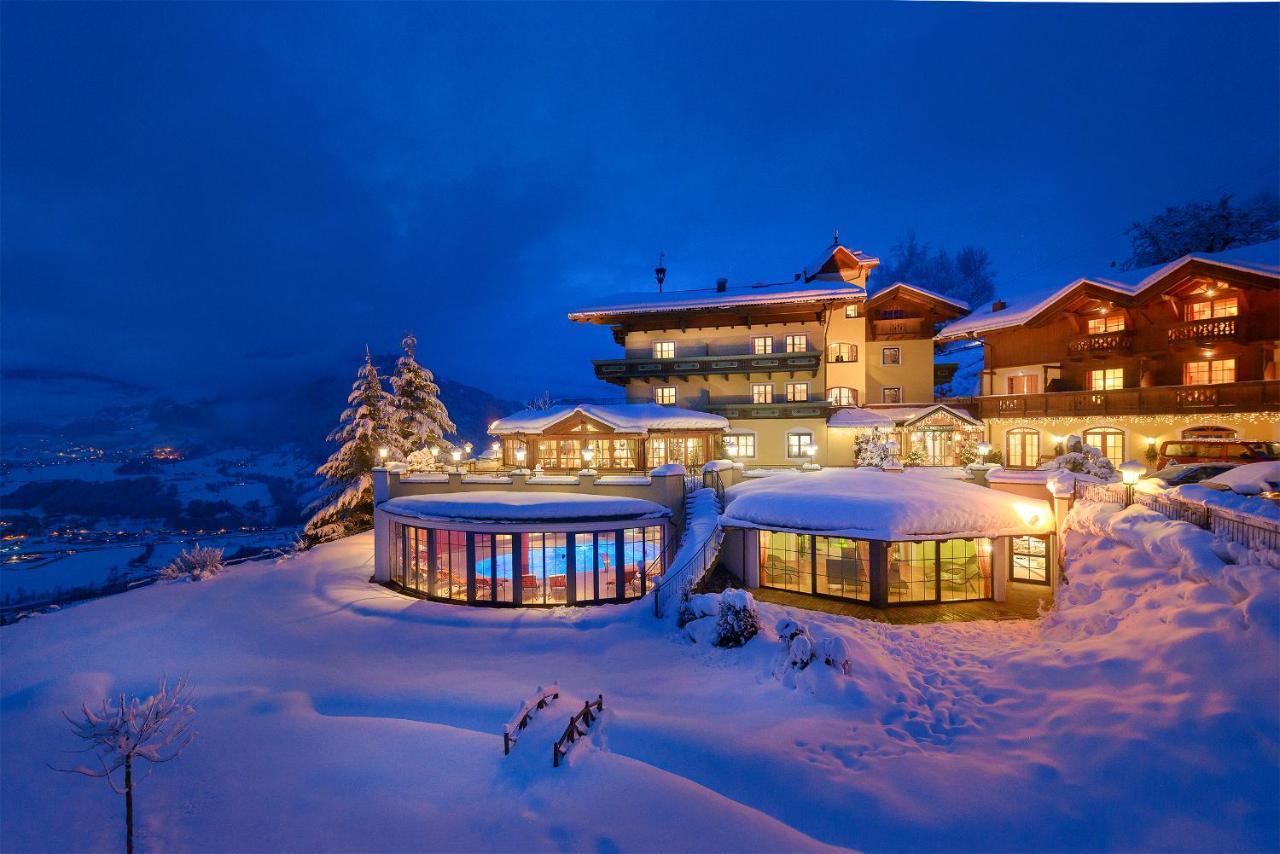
(337, 715)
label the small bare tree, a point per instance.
(155, 729)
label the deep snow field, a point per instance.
(336, 715)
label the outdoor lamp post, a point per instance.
(1130, 472)
(457, 460)
(984, 448)
(588, 454)
(382, 455)
(521, 453)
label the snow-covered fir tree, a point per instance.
(363, 428)
(418, 415)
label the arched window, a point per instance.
(1022, 447)
(842, 396)
(1207, 432)
(840, 352)
(1109, 440)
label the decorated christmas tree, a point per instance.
(418, 418)
(363, 429)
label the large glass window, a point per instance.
(641, 558)
(607, 565)
(1022, 448)
(913, 572)
(1106, 323)
(1208, 309)
(740, 446)
(422, 560)
(546, 569)
(1109, 440)
(449, 572)
(494, 570)
(1106, 379)
(1029, 560)
(762, 392)
(785, 561)
(798, 442)
(841, 352)
(842, 396)
(842, 568)
(1209, 371)
(964, 570)
(1024, 384)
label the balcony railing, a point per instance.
(621, 370)
(742, 407)
(1205, 331)
(1257, 395)
(1101, 344)
(900, 327)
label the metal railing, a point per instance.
(677, 582)
(1249, 531)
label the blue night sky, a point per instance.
(217, 196)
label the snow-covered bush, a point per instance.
(870, 450)
(421, 460)
(698, 606)
(1081, 458)
(196, 563)
(915, 457)
(834, 651)
(737, 621)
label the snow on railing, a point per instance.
(520, 720)
(697, 553)
(1252, 532)
(572, 733)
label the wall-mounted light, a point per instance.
(382, 454)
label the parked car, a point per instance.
(1176, 475)
(1216, 451)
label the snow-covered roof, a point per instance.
(1263, 258)
(836, 257)
(869, 504)
(906, 286)
(622, 417)
(906, 414)
(856, 416)
(522, 507)
(741, 295)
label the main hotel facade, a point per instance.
(789, 373)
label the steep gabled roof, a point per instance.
(1262, 259)
(839, 263)
(899, 287)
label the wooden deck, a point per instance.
(1020, 604)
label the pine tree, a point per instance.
(361, 431)
(419, 416)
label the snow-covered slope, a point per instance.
(337, 715)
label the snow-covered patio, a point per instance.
(338, 715)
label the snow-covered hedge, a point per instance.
(1081, 458)
(196, 563)
(727, 619)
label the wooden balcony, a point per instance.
(1201, 332)
(1255, 396)
(621, 371)
(1101, 345)
(902, 327)
(742, 407)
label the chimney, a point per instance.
(721, 284)
(999, 305)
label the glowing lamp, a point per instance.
(467, 447)
(1131, 471)
(1029, 513)
(984, 448)
(457, 455)
(382, 454)
(1151, 440)
(494, 446)
(1057, 440)
(588, 454)
(986, 547)
(811, 450)
(521, 453)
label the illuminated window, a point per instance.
(1024, 384)
(664, 349)
(1106, 323)
(891, 394)
(785, 561)
(853, 310)
(891, 356)
(798, 443)
(1109, 440)
(762, 392)
(740, 445)
(1029, 560)
(842, 352)
(797, 343)
(761, 345)
(665, 395)
(797, 392)
(1209, 371)
(841, 396)
(1022, 447)
(1105, 379)
(1208, 309)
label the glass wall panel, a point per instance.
(546, 569)
(396, 558)
(484, 567)
(843, 568)
(653, 558)
(503, 567)
(633, 562)
(584, 572)
(785, 561)
(450, 569)
(422, 560)
(913, 572)
(964, 568)
(607, 565)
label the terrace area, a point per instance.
(1256, 395)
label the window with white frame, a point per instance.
(1029, 560)
(891, 356)
(798, 444)
(762, 392)
(740, 446)
(665, 395)
(891, 394)
(797, 343)
(797, 392)
(664, 349)
(842, 396)
(761, 345)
